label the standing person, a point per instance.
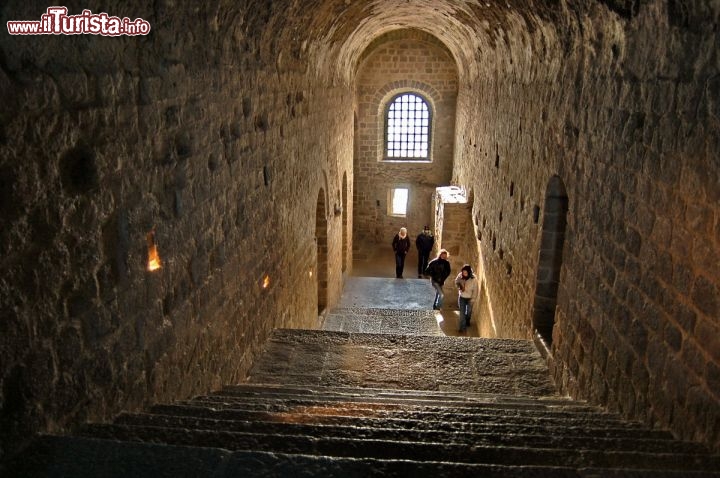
(424, 243)
(467, 293)
(401, 246)
(438, 269)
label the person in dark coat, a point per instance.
(424, 243)
(438, 269)
(401, 246)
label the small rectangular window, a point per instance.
(398, 202)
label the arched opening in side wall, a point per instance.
(547, 278)
(321, 243)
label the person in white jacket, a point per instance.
(467, 293)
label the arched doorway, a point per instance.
(344, 206)
(550, 258)
(321, 241)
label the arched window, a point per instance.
(407, 128)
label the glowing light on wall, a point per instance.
(266, 282)
(154, 263)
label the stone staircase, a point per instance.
(383, 321)
(343, 403)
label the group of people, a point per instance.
(439, 270)
(401, 245)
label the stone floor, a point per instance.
(407, 362)
(373, 285)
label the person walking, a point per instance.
(424, 243)
(401, 246)
(438, 269)
(467, 293)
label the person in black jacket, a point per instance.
(438, 269)
(424, 243)
(401, 246)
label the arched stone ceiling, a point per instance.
(471, 30)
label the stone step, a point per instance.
(404, 409)
(446, 422)
(382, 324)
(395, 395)
(399, 397)
(368, 312)
(499, 417)
(391, 449)
(79, 457)
(479, 344)
(311, 358)
(542, 438)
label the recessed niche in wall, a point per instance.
(479, 236)
(512, 189)
(500, 217)
(494, 243)
(508, 269)
(78, 171)
(501, 253)
(536, 214)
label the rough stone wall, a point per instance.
(404, 60)
(213, 132)
(102, 139)
(625, 111)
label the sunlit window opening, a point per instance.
(398, 201)
(408, 128)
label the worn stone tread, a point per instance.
(325, 337)
(383, 312)
(390, 449)
(540, 437)
(324, 358)
(399, 395)
(399, 401)
(514, 415)
(383, 321)
(395, 409)
(81, 457)
(450, 422)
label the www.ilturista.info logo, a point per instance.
(57, 22)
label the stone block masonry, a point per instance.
(228, 131)
(412, 61)
(196, 134)
(630, 128)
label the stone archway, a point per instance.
(344, 205)
(550, 258)
(321, 242)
